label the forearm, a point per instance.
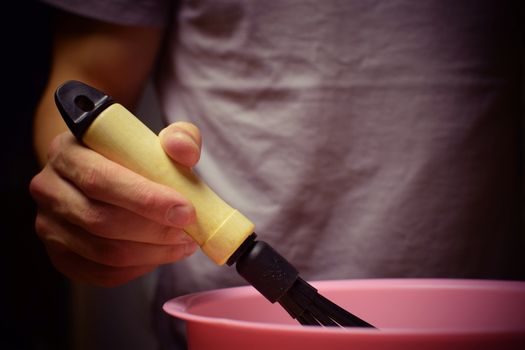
(115, 59)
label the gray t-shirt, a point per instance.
(365, 139)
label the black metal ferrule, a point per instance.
(267, 271)
(79, 104)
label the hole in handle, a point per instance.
(84, 103)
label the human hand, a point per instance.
(104, 224)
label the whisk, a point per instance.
(276, 279)
(224, 234)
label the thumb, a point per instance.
(182, 142)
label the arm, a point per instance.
(102, 223)
(116, 59)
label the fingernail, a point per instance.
(179, 215)
(184, 137)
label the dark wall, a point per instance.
(35, 298)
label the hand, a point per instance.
(104, 224)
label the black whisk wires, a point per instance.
(276, 279)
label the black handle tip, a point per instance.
(79, 104)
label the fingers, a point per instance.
(182, 142)
(102, 223)
(83, 257)
(80, 269)
(60, 200)
(108, 182)
(109, 252)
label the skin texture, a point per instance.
(100, 222)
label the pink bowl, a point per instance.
(409, 314)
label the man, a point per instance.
(364, 139)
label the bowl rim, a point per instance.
(180, 307)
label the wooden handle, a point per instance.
(121, 137)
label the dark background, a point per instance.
(35, 298)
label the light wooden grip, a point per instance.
(119, 136)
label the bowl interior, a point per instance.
(406, 305)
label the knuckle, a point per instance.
(43, 193)
(54, 147)
(89, 179)
(35, 186)
(94, 218)
(42, 227)
(59, 146)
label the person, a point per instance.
(365, 139)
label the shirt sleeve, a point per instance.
(150, 13)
